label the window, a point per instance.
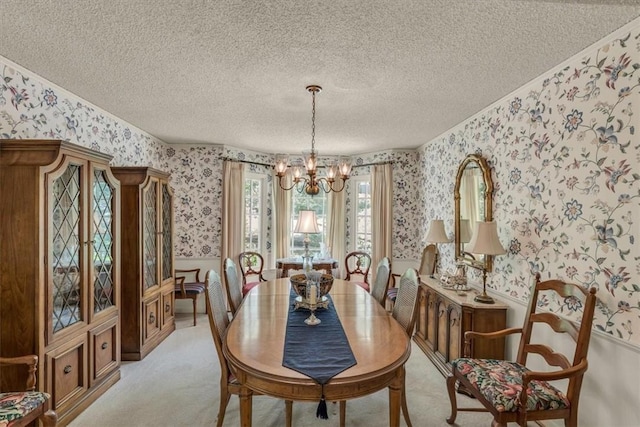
(253, 213)
(362, 214)
(305, 202)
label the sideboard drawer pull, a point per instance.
(152, 318)
(67, 369)
(104, 345)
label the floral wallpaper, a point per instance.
(32, 108)
(566, 170)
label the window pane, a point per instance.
(363, 225)
(253, 214)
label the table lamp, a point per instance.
(436, 234)
(307, 223)
(465, 231)
(485, 242)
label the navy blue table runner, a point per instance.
(321, 351)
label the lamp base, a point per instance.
(484, 298)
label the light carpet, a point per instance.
(178, 384)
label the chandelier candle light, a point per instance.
(485, 242)
(312, 183)
(436, 235)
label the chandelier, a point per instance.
(312, 183)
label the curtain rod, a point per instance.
(387, 162)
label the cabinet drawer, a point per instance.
(104, 350)
(66, 372)
(168, 307)
(151, 319)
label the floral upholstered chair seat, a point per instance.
(500, 382)
(14, 406)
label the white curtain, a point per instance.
(233, 217)
(382, 213)
(336, 228)
(281, 216)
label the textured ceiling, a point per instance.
(395, 73)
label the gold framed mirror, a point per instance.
(473, 198)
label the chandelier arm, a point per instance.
(332, 186)
(294, 183)
(324, 185)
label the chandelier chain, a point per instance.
(313, 121)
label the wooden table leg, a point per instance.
(395, 398)
(245, 407)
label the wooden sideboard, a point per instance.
(444, 317)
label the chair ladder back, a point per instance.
(552, 357)
(428, 260)
(381, 281)
(218, 317)
(579, 332)
(234, 292)
(404, 309)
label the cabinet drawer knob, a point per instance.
(104, 345)
(167, 307)
(152, 318)
(67, 369)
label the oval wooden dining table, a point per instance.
(255, 339)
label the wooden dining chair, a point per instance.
(233, 287)
(22, 408)
(189, 286)
(251, 265)
(356, 264)
(427, 267)
(404, 311)
(381, 281)
(511, 391)
(219, 322)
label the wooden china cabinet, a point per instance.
(444, 316)
(147, 260)
(60, 270)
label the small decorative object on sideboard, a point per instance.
(460, 278)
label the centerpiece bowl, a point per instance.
(299, 284)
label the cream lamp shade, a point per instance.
(465, 231)
(436, 232)
(485, 240)
(307, 222)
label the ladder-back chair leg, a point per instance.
(451, 389)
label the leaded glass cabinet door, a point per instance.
(103, 250)
(167, 232)
(67, 248)
(150, 227)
